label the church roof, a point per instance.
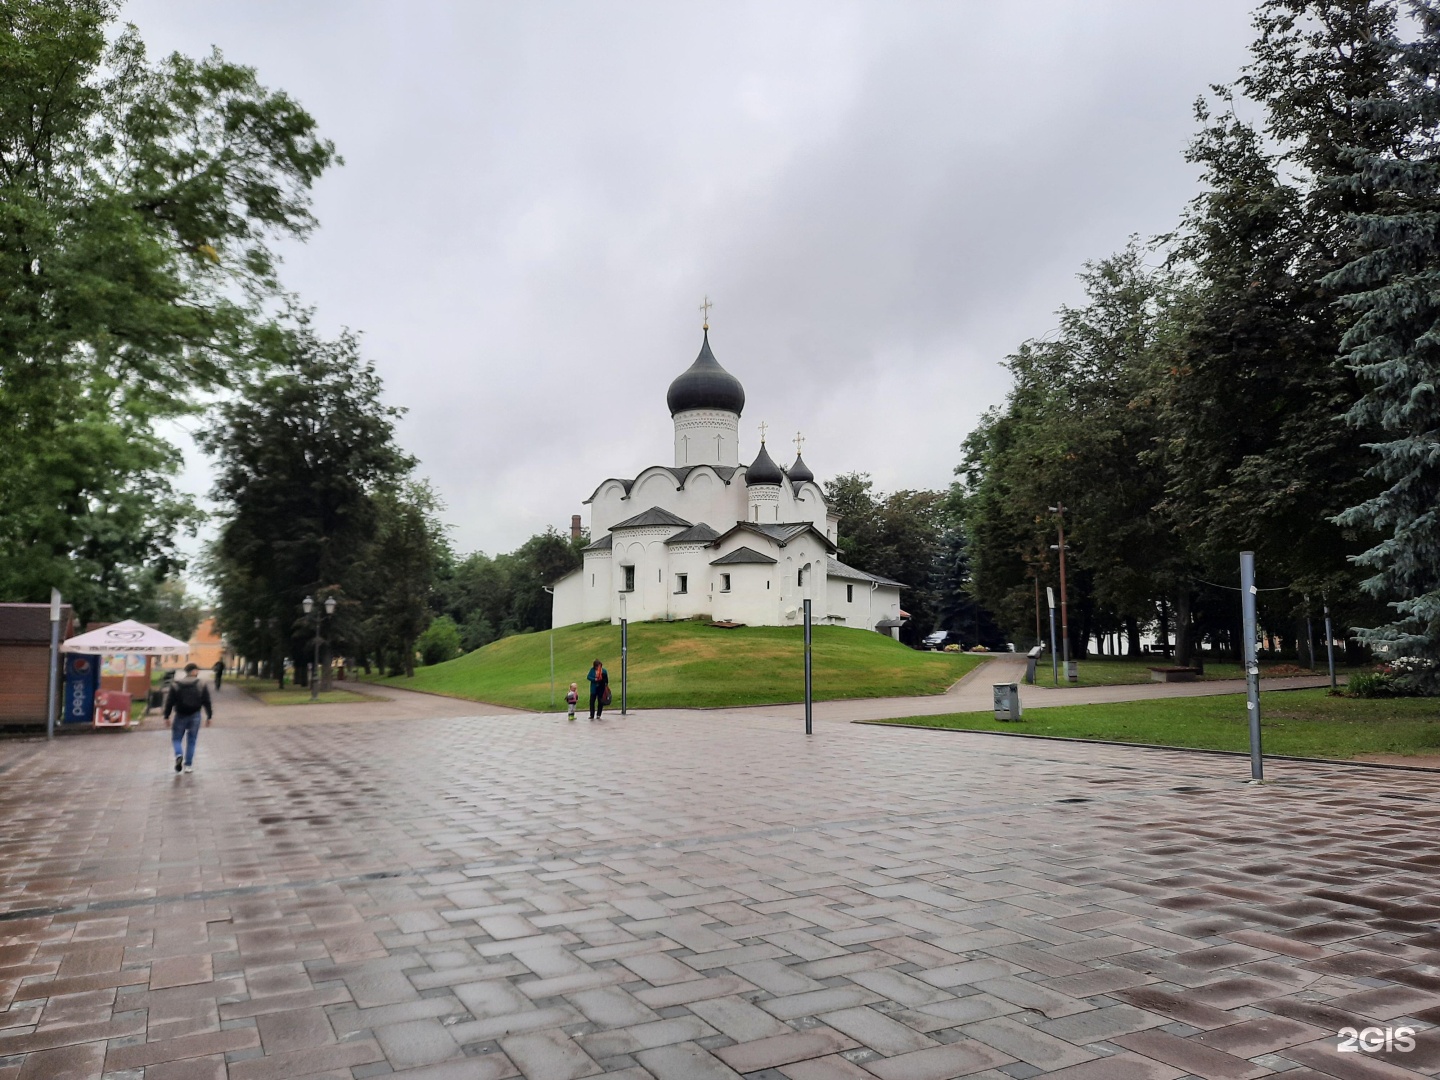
(799, 472)
(654, 516)
(742, 555)
(781, 533)
(603, 544)
(836, 569)
(679, 472)
(763, 469)
(696, 534)
(705, 385)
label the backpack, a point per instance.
(188, 697)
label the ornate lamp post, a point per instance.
(308, 604)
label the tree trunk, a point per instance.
(1183, 646)
(1132, 634)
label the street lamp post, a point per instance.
(52, 693)
(1329, 641)
(1059, 510)
(624, 656)
(805, 575)
(308, 604)
(551, 591)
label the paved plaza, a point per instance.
(399, 888)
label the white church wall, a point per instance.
(795, 559)
(607, 507)
(598, 586)
(707, 437)
(808, 505)
(693, 561)
(851, 602)
(751, 598)
(569, 602)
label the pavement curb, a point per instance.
(1152, 746)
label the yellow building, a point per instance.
(206, 645)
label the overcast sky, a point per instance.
(881, 199)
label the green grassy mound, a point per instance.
(1296, 723)
(691, 665)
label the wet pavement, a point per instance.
(680, 896)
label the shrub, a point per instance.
(439, 642)
(1372, 684)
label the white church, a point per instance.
(710, 538)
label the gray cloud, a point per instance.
(882, 200)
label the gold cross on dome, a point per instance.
(705, 311)
(799, 442)
(764, 427)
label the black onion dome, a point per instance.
(800, 472)
(705, 385)
(763, 469)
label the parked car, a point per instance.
(939, 640)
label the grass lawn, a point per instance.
(692, 665)
(1297, 723)
(301, 696)
(1118, 670)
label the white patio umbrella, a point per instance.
(120, 638)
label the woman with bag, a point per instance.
(599, 690)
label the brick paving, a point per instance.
(686, 896)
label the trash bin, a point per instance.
(1007, 701)
(1072, 671)
(1033, 659)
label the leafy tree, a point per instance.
(396, 584)
(440, 641)
(490, 597)
(138, 205)
(897, 536)
(1393, 288)
(304, 454)
(172, 610)
(1077, 428)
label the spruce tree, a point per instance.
(1393, 288)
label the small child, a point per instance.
(571, 698)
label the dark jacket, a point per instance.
(598, 682)
(172, 699)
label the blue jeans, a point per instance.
(188, 729)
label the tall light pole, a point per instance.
(805, 576)
(1252, 664)
(551, 591)
(52, 693)
(308, 604)
(1329, 641)
(1054, 656)
(624, 656)
(1059, 510)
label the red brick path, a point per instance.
(680, 897)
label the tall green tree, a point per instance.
(1393, 288)
(899, 535)
(1077, 429)
(1257, 454)
(304, 453)
(139, 204)
(394, 588)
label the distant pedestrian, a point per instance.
(219, 670)
(187, 697)
(572, 698)
(599, 690)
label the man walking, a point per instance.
(219, 670)
(187, 697)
